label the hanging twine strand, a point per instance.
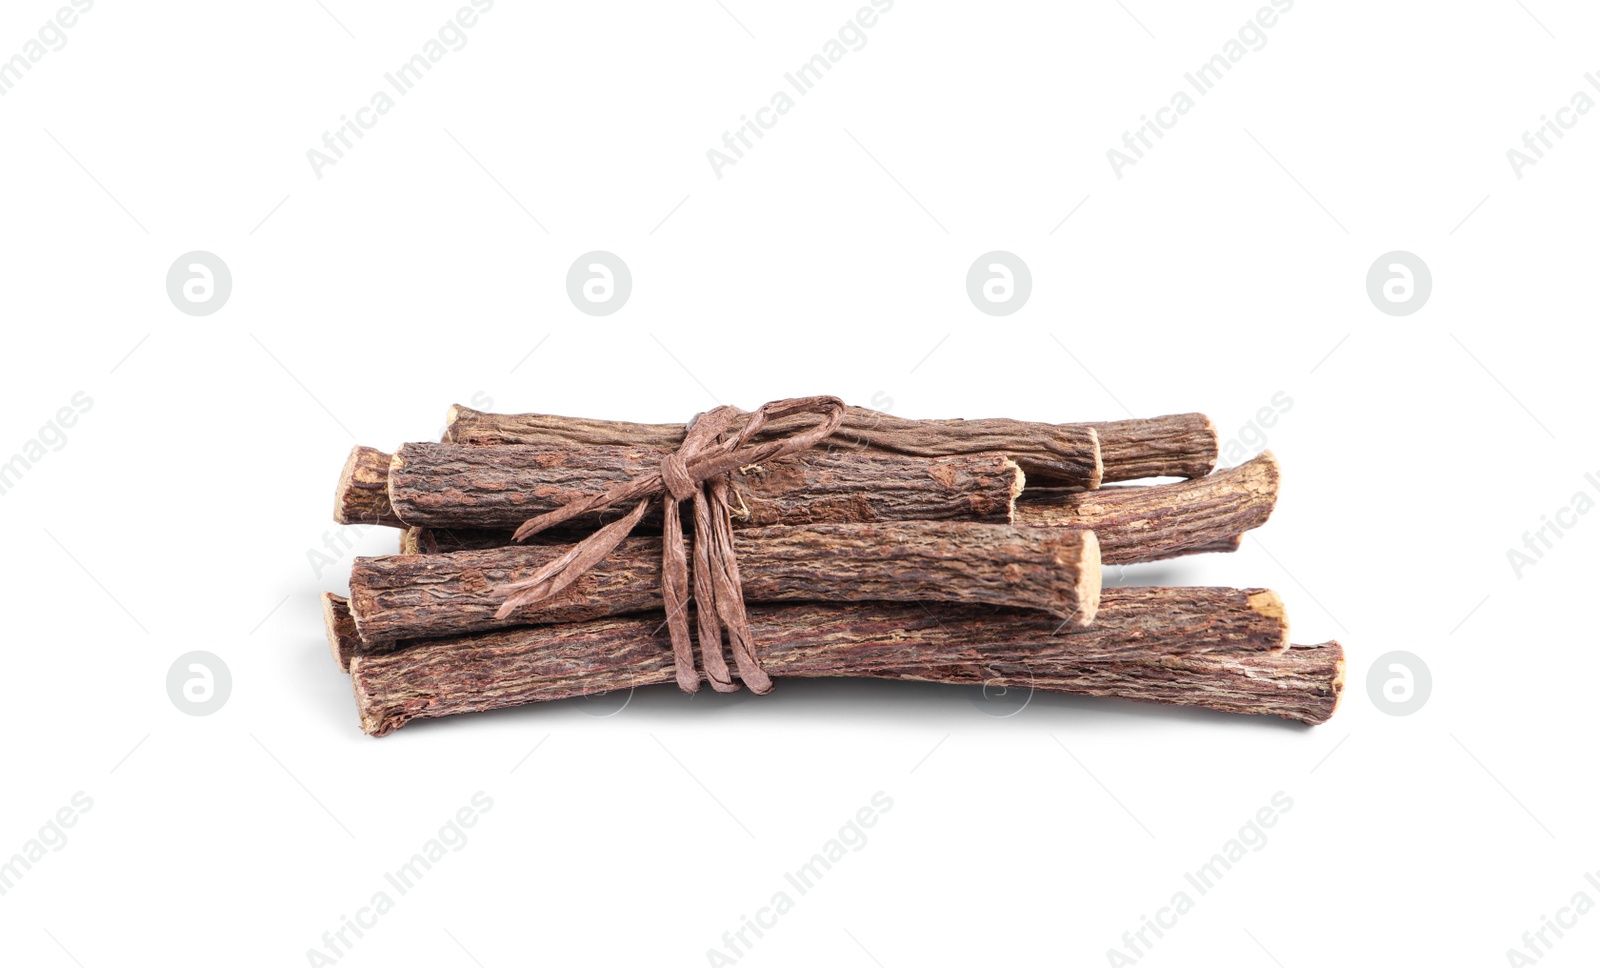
(698, 470)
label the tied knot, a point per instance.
(698, 470)
(675, 476)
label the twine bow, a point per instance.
(698, 469)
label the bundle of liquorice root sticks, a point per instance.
(951, 551)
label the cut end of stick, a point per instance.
(1019, 483)
(341, 625)
(341, 494)
(1097, 475)
(1215, 447)
(1337, 684)
(1266, 476)
(1269, 604)
(374, 722)
(362, 496)
(450, 417)
(1089, 580)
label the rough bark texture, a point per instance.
(363, 493)
(458, 486)
(1220, 546)
(1177, 619)
(1053, 570)
(432, 541)
(1164, 520)
(1134, 524)
(1064, 454)
(1179, 445)
(1216, 647)
(1302, 683)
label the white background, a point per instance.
(423, 268)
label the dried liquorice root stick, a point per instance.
(1208, 514)
(1222, 638)
(1066, 454)
(1054, 570)
(1302, 682)
(1182, 619)
(453, 485)
(1163, 520)
(1179, 445)
(363, 493)
(433, 541)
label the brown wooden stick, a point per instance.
(432, 541)
(1067, 454)
(1164, 520)
(1196, 619)
(1134, 524)
(453, 485)
(363, 493)
(1217, 647)
(1055, 570)
(1178, 445)
(1302, 683)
